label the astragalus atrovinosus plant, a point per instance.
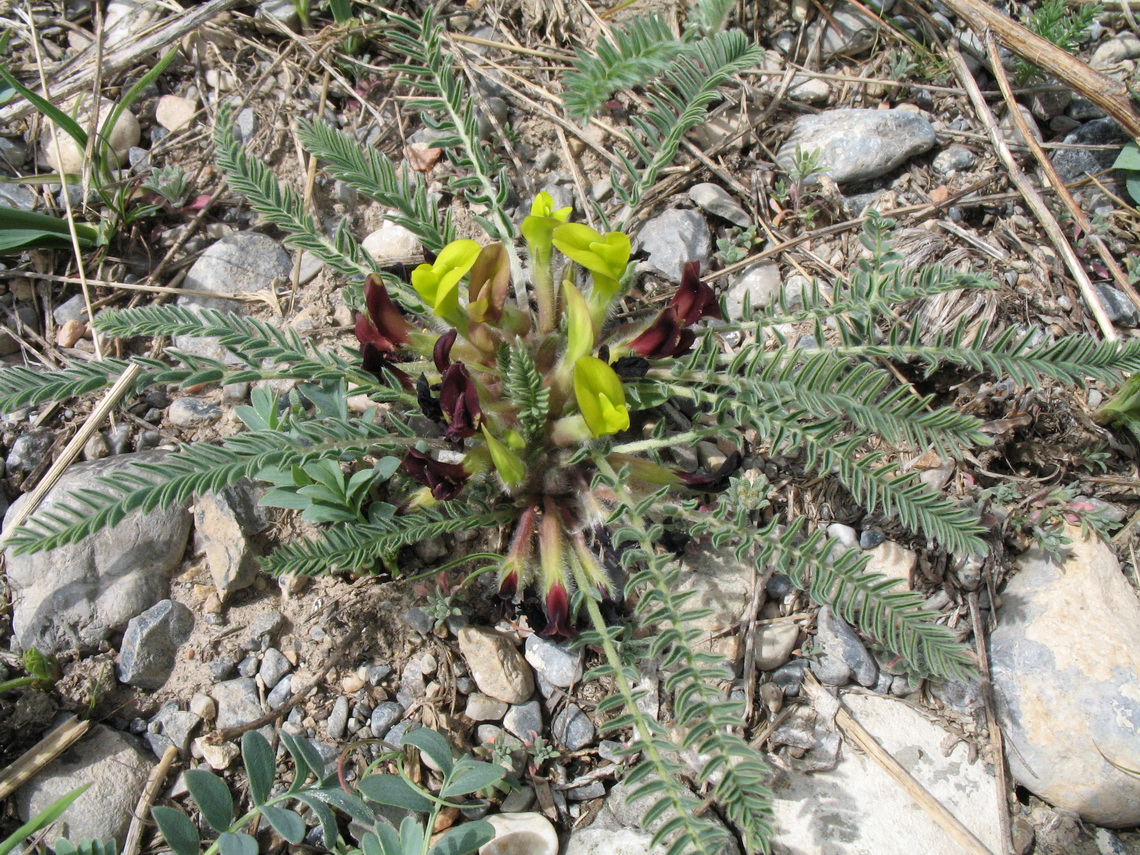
(545, 416)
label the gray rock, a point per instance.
(953, 159)
(274, 666)
(870, 538)
(193, 412)
(1073, 164)
(238, 702)
(717, 201)
(28, 452)
(240, 263)
(1117, 306)
(77, 595)
(1066, 669)
(248, 666)
(377, 674)
(524, 720)
(384, 717)
(837, 639)
(673, 239)
(284, 11)
(858, 145)
(876, 816)
(847, 33)
(604, 841)
(592, 790)
(13, 152)
(760, 284)
(171, 726)
(224, 526)
(18, 197)
(779, 586)
(74, 309)
(417, 620)
(556, 663)
(266, 623)
(790, 675)
(395, 734)
(116, 770)
(280, 694)
(1047, 106)
(338, 718)
(151, 643)
(245, 125)
(572, 729)
(846, 535)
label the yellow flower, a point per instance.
(601, 399)
(508, 464)
(438, 283)
(605, 254)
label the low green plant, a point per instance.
(312, 797)
(1128, 162)
(22, 230)
(1062, 23)
(40, 821)
(736, 246)
(526, 403)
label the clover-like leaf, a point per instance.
(212, 797)
(177, 830)
(393, 790)
(230, 843)
(259, 765)
(432, 744)
(285, 822)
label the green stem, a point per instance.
(665, 442)
(17, 683)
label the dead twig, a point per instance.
(133, 842)
(1032, 197)
(1109, 94)
(1053, 178)
(40, 754)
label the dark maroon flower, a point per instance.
(694, 299)
(509, 586)
(441, 353)
(460, 402)
(445, 480)
(714, 482)
(558, 614)
(376, 362)
(665, 337)
(384, 327)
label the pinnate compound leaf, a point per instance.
(213, 798)
(260, 765)
(285, 822)
(178, 831)
(393, 790)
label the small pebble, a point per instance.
(384, 717)
(338, 718)
(193, 412)
(871, 538)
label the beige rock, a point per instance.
(1066, 670)
(724, 586)
(497, 667)
(174, 112)
(521, 834)
(219, 756)
(774, 644)
(69, 158)
(891, 559)
(70, 333)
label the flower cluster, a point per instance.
(559, 331)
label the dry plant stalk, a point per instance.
(1051, 175)
(1109, 94)
(40, 754)
(1032, 197)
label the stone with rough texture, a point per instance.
(572, 729)
(521, 834)
(193, 412)
(724, 585)
(953, 159)
(239, 263)
(174, 112)
(891, 559)
(1080, 156)
(1117, 306)
(774, 644)
(858, 809)
(480, 707)
(1113, 51)
(497, 667)
(621, 841)
(1066, 669)
(77, 595)
(116, 769)
(524, 720)
(858, 145)
(392, 242)
(384, 717)
(69, 157)
(274, 667)
(238, 702)
(761, 284)
(558, 664)
(673, 239)
(717, 201)
(224, 526)
(835, 638)
(151, 643)
(171, 726)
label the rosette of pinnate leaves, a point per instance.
(521, 391)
